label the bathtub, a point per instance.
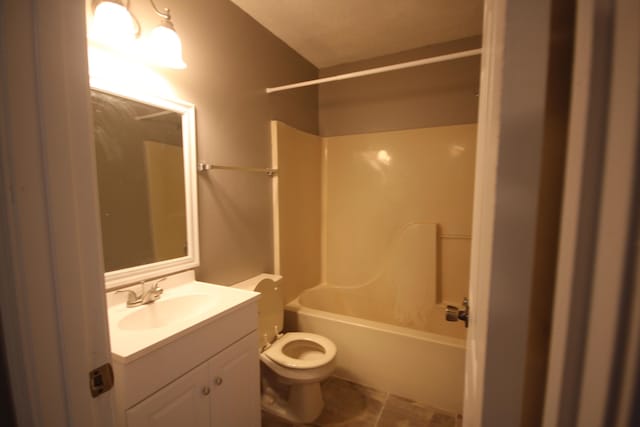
(425, 365)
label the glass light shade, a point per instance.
(165, 48)
(113, 24)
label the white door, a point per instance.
(52, 297)
(184, 402)
(594, 279)
(508, 167)
(234, 376)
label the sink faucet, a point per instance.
(145, 297)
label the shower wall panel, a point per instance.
(376, 185)
(297, 155)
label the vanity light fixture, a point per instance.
(164, 45)
(113, 24)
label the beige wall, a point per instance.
(299, 158)
(434, 95)
(231, 60)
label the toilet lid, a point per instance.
(278, 353)
(270, 310)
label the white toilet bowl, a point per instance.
(301, 361)
(292, 364)
(300, 357)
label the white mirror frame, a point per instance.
(131, 275)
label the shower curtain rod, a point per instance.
(378, 70)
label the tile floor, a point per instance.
(349, 404)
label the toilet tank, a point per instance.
(270, 305)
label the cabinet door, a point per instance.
(184, 402)
(235, 384)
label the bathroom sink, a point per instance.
(183, 308)
(155, 344)
(167, 311)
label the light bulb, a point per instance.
(113, 25)
(164, 47)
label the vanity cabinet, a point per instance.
(221, 392)
(193, 367)
(235, 391)
(181, 403)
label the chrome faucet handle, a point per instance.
(157, 290)
(153, 293)
(132, 298)
(155, 286)
(146, 296)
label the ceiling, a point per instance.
(331, 32)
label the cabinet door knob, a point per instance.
(218, 380)
(205, 390)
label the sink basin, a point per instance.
(166, 311)
(185, 305)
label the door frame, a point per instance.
(508, 166)
(52, 295)
(594, 356)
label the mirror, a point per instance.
(145, 160)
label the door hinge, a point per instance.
(101, 379)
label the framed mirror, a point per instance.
(146, 162)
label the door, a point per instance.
(591, 343)
(508, 174)
(52, 299)
(184, 402)
(234, 378)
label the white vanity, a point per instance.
(185, 353)
(189, 359)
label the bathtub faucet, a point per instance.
(145, 297)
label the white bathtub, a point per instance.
(421, 365)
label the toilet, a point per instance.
(292, 364)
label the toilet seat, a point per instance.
(276, 352)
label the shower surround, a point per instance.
(372, 235)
